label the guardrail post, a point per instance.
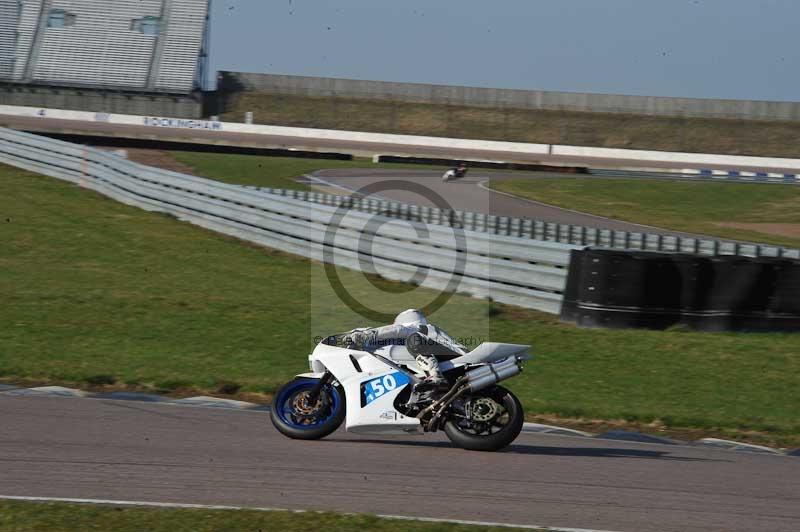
(84, 167)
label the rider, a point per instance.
(422, 339)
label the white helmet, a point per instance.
(410, 316)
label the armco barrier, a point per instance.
(511, 270)
(538, 230)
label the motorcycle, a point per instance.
(456, 172)
(383, 391)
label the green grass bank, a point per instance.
(274, 172)
(743, 211)
(700, 135)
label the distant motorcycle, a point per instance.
(383, 391)
(456, 172)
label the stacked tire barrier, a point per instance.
(621, 289)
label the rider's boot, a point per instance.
(433, 377)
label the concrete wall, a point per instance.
(100, 101)
(473, 96)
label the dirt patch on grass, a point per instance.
(159, 159)
(786, 230)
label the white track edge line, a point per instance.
(262, 509)
(350, 190)
(482, 184)
(658, 230)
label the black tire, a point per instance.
(498, 440)
(284, 418)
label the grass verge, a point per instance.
(743, 211)
(274, 172)
(701, 135)
(36, 516)
(94, 291)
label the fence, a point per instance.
(525, 228)
(512, 270)
(502, 98)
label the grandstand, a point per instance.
(143, 50)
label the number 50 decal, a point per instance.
(375, 388)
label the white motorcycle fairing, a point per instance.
(370, 388)
(371, 385)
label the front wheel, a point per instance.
(295, 417)
(491, 419)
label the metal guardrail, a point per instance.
(526, 228)
(512, 270)
(701, 174)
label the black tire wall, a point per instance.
(624, 289)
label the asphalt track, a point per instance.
(122, 450)
(471, 194)
(252, 140)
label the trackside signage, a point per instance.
(182, 123)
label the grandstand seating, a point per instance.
(147, 45)
(9, 19)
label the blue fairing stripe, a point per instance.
(378, 387)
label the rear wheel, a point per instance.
(294, 416)
(491, 420)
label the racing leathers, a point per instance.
(423, 340)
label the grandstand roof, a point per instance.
(149, 45)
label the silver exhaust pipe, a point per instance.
(485, 376)
(474, 380)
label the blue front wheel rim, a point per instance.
(289, 398)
